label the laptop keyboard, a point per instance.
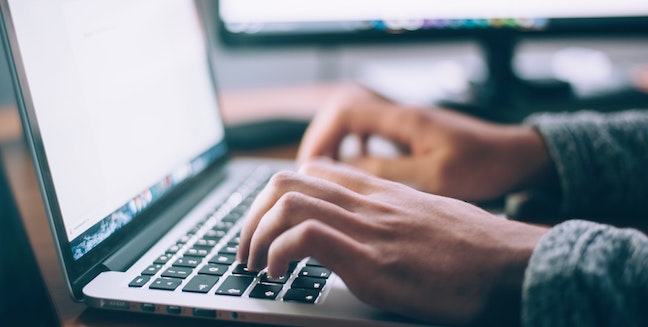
(204, 259)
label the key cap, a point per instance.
(177, 272)
(213, 269)
(190, 262)
(139, 281)
(312, 271)
(205, 243)
(227, 259)
(241, 269)
(234, 285)
(265, 291)
(173, 249)
(232, 217)
(301, 295)
(313, 262)
(229, 249)
(279, 280)
(309, 283)
(151, 270)
(184, 239)
(200, 284)
(196, 252)
(161, 260)
(167, 284)
(214, 234)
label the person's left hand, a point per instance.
(410, 252)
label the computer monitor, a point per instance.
(496, 24)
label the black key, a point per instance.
(300, 295)
(241, 269)
(201, 284)
(313, 262)
(265, 291)
(278, 280)
(151, 270)
(190, 262)
(173, 249)
(223, 225)
(177, 272)
(194, 230)
(236, 239)
(196, 252)
(184, 239)
(167, 284)
(312, 271)
(227, 259)
(139, 281)
(214, 234)
(161, 260)
(234, 285)
(229, 249)
(310, 283)
(205, 243)
(233, 217)
(213, 269)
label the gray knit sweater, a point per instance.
(583, 273)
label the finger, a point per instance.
(345, 175)
(405, 170)
(332, 248)
(329, 127)
(292, 209)
(284, 182)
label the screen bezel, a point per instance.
(78, 272)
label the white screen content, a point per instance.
(281, 11)
(122, 96)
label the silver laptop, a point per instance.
(120, 110)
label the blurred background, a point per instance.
(425, 70)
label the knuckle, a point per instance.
(310, 230)
(282, 180)
(290, 201)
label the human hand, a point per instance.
(421, 255)
(445, 152)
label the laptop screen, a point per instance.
(125, 105)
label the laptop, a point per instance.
(22, 286)
(120, 110)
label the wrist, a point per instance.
(532, 165)
(503, 303)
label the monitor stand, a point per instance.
(503, 94)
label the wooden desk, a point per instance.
(238, 106)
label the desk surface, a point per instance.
(238, 106)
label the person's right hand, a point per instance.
(429, 257)
(446, 152)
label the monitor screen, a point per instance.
(258, 20)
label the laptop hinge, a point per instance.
(126, 256)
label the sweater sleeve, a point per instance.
(601, 160)
(587, 274)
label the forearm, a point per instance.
(600, 160)
(586, 274)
